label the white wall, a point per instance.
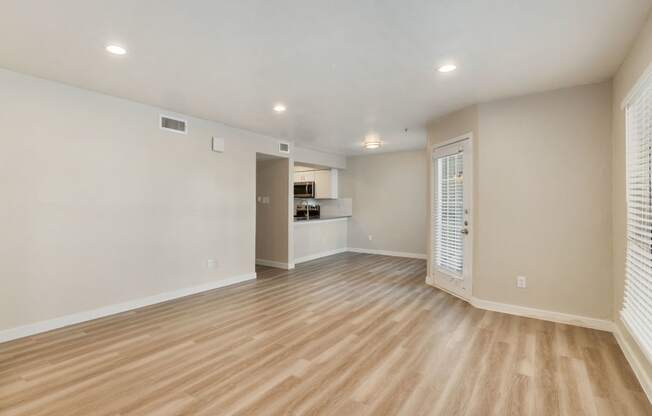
(315, 157)
(389, 193)
(542, 198)
(100, 206)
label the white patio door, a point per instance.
(452, 235)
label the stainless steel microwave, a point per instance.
(304, 189)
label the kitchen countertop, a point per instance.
(322, 218)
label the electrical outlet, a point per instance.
(521, 282)
(371, 237)
(211, 263)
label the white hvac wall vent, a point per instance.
(284, 147)
(218, 144)
(176, 125)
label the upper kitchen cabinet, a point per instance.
(325, 184)
(324, 180)
(305, 176)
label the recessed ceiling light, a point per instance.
(116, 50)
(280, 108)
(447, 68)
(372, 143)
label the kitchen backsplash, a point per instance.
(336, 207)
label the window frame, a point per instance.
(640, 329)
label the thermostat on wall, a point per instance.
(218, 144)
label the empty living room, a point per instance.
(422, 207)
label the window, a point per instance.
(449, 218)
(637, 306)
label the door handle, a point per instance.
(464, 231)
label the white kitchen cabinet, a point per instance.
(314, 239)
(326, 184)
(307, 176)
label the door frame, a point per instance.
(469, 161)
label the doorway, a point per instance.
(452, 209)
(272, 211)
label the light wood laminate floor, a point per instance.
(351, 334)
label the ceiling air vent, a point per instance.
(174, 124)
(284, 147)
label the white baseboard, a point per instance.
(388, 253)
(44, 326)
(642, 376)
(545, 315)
(542, 314)
(357, 250)
(319, 255)
(277, 264)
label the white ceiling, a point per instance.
(343, 68)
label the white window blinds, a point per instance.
(637, 306)
(449, 214)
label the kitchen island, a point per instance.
(320, 237)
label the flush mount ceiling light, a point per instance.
(116, 50)
(372, 143)
(280, 108)
(447, 68)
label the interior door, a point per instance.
(452, 234)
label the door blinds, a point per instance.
(637, 305)
(449, 218)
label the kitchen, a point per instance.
(320, 216)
